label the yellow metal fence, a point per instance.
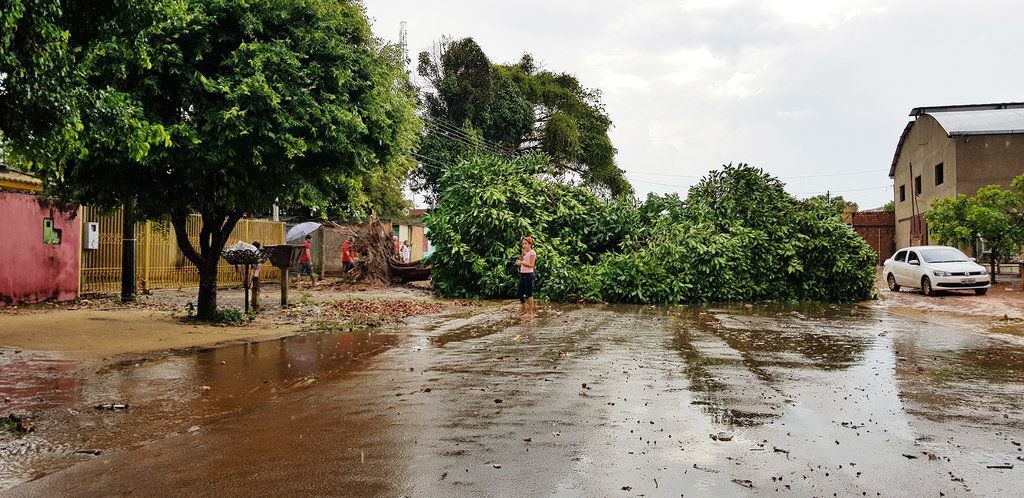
(159, 264)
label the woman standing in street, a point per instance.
(526, 264)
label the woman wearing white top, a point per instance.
(406, 252)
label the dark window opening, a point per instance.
(903, 193)
(917, 185)
(938, 174)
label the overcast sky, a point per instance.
(815, 92)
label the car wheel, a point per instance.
(926, 286)
(893, 286)
(980, 292)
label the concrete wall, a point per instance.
(988, 160)
(925, 147)
(31, 270)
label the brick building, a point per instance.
(878, 228)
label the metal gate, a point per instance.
(158, 261)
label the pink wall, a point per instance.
(30, 270)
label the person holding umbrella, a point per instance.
(305, 260)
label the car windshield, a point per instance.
(943, 255)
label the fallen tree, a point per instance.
(377, 259)
(738, 236)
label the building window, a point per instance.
(903, 193)
(938, 174)
(917, 185)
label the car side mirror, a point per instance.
(973, 260)
(915, 262)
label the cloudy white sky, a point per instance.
(815, 92)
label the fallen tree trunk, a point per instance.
(408, 272)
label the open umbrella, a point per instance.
(301, 230)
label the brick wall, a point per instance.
(878, 229)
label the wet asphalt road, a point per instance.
(579, 401)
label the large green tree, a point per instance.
(231, 106)
(570, 126)
(473, 106)
(994, 215)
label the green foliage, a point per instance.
(993, 215)
(477, 107)
(230, 316)
(738, 236)
(570, 125)
(212, 106)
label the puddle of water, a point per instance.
(164, 395)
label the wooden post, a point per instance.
(245, 285)
(284, 287)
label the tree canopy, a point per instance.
(737, 236)
(994, 215)
(228, 107)
(473, 106)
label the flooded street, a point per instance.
(811, 400)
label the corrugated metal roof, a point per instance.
(967, 120)
(985, 122)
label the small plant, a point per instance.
(229, 316)
(16, 425)
(190, 309)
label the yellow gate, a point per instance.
(159, 264)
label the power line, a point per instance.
(460, 135)
(779, 177)
(791, 193)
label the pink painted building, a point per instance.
(39, 250)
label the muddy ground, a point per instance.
(907, 395)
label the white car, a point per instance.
(934, 268)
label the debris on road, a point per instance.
(112, 406)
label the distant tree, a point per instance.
(570, 125)
(229, 107)
(993, 215)
(889, 207)
(474, 107)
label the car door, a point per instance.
(912, 272)
(897, 266)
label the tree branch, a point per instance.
(184, 245)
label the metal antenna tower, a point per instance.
(403, 43)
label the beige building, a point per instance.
(953, 150)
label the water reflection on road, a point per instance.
(581, 400)
(154, 398)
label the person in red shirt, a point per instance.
(348, 260)
(306, 262)
(526, 276)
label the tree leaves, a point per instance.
(719, 245)
(993, 215)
